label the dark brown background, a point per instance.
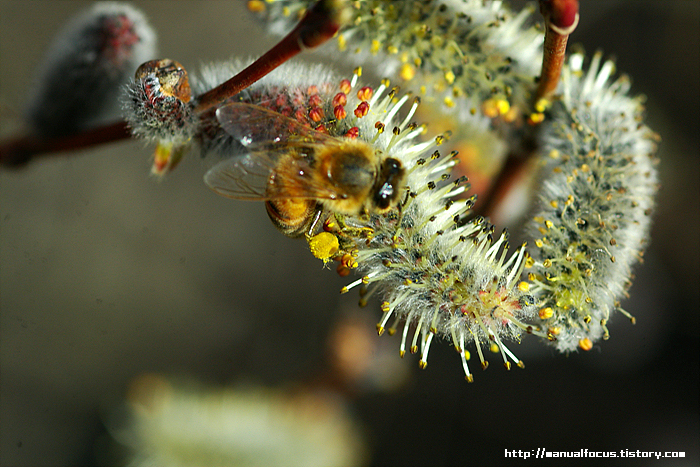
(107, 274)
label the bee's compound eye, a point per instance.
(388, 183)
(384, 196)
(392, 167)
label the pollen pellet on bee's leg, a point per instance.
(324, 246)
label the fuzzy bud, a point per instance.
(593, 220)
(157, 103)
(79, 82)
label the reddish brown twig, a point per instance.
(19, 151)
(561, 18)
(512, 170)
(318, 25)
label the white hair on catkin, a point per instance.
(88, 61)
(593, 219)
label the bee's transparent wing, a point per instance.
(252, 125)
(244, 176)
(248, 176)
(278, 146)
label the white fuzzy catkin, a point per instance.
(176, 424)
(593, 219)
(599, 179)
(79, 81)
(437, 271)
(468, 50)
(470, 60)
(163, 118)
(443, 273)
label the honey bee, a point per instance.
(300, 172)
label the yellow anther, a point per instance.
(535, 118)
(503, 106)
(542, 105)
(324, 246)
(256, 6)
(546, 313)
(407, 72)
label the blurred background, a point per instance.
(108, 276)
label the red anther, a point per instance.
(120, 38)
(339, 112)
(353, 132)
(342, 270)
(345, 86)
(300, 116)
(365, 93)
(281, 100)
(362, 109)
(312, 90)
(322, 129)
(316, 114)
(315, 101)
(340, 99)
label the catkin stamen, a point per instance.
(402, 347)
(484, 363)
(414, 343)
(424, 355)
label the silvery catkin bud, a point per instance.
(79, 81)
(593, 219)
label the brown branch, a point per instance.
(318, 25)
(511, 171)
(561, 18)
(18, 151)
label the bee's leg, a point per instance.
(353, 232)
(314, 222)
(324, 245)
(401, 207)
